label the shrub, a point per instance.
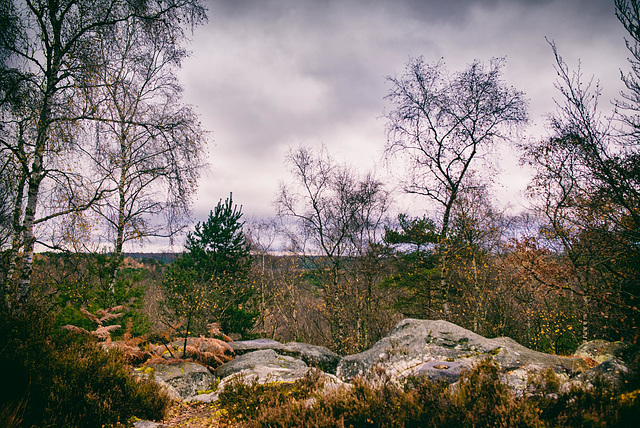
(479, 400)
(597, 406)
(66, 380)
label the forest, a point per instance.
(98, 151)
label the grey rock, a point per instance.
(245, 346)
(264, 366)
(412, 345)
(149, 424)
(263, 362)
(617, 365)
(614, 373)
(602, 350)
(185, 379)
(314, 356)
(441, 370)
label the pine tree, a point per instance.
(210, 281)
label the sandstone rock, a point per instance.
(616, 363)
(602, 350)
(149, 424)
(264, 363)
(425, 347)
(315, 356)
(181, 381)
(245, 346)
(264, 366)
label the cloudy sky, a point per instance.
(266, 75)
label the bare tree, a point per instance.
(51, 51)
(336, 220)
(586, 186)
(148, 146)
(444, 124)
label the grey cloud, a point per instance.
(266, 74)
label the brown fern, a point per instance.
(101, 316)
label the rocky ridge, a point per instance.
(436, 349)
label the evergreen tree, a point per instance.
(210, 281)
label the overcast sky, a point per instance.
(266, 75)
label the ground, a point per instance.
(196, 415)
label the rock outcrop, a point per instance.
(181, 381)
(615, 363)
(314, 356)
(263, 366)
(440, 350)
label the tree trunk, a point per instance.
(28, 238)
(585, 324)
(35, 178)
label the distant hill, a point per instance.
(159, 257)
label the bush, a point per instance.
(66, 380)
(598, 406)
(479, 400)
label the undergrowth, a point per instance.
(479, 399)
(65, 380)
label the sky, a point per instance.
(269, 75)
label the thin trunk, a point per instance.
(478, 308)
(116, 257)
(36, 177)
(28, 238)
(444, 286)
(14, 255)
(585, 324)
(186, 335)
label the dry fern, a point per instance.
(102, 332)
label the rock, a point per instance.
(245, 346)
(263, 366)
(441, 371)
(614, 373)
(616, 363)
(265, 363)
(314, 356)
(601, 351)
(149, 424)
(440, 350)
(183, 380)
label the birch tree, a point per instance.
(148, 145)
(52, 53)
(444, 125)
(336, 219)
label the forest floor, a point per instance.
(196, 415)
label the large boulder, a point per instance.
(265, 364)
(149, 424)
(262, 367)
(182, 381)
(314, 356)
(440, 350)
(600, 351)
